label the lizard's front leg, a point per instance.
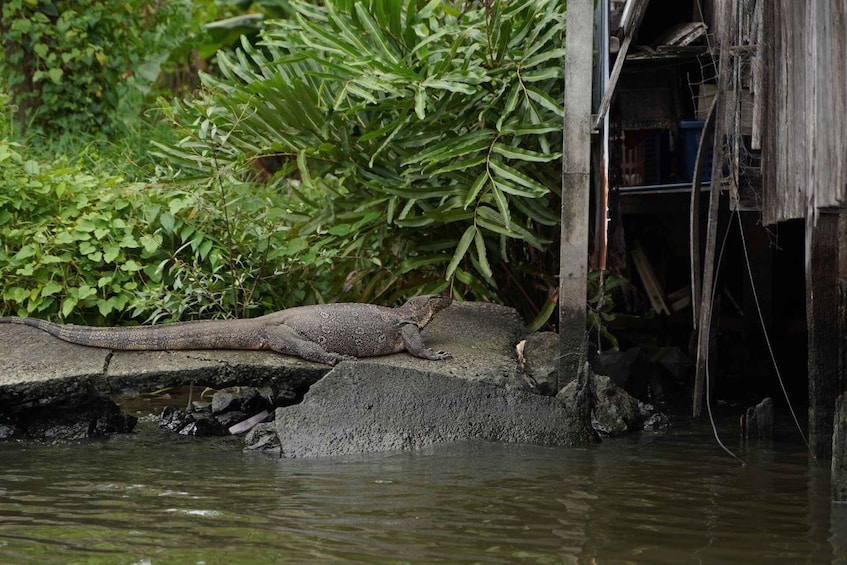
(285, 340)
(414, 344)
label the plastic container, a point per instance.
(689, 134)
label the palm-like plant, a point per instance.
(414, 144)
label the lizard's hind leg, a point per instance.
(285, 340)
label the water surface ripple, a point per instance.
(157, 498)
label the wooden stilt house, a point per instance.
(716, 117)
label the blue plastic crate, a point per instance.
(689, 133)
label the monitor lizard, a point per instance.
(324, 333)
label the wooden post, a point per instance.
(842, 300)
(826, 334)
(839, 451)
(576, 168)
(704, 325)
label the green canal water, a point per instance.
(151, 498)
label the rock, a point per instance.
(615, 412)
(539, 356)
(657, 422)
(174, 419)
(245, 399)
(204, 426)
(676, 362)
(253, 401)
(616, 365)
(229, 408)
(201, 406)
(225, 401)
(190, 423)
(262, 437)
(229, 419)
(369, 407)
(6, 431)
(66, 417)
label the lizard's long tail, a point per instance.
(217, 334)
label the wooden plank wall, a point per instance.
(784, 151)
(827, 97)
(804, 138)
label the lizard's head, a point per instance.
(423, 308)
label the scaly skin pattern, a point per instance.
(326, 333)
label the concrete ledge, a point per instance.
(385, 403)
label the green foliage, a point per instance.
(417, 145)
(86, 65)
(94, 248)
(601, 304)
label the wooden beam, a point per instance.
(638, 13)
(706, 137)
(576, 168)
(655, 292)
(706, 294)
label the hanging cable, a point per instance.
(712, 292)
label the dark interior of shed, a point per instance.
(661, 100)
(742, 370)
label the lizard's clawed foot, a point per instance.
(339, 358)
(441, 355)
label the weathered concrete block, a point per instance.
(370, 407)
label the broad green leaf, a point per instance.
(420, 102)
(531, 129)
(544, 315)
(50, 288)
(502, 205)
(374, 32)
(64, 237)
(524, 154)
(25, 252)
(475, 188)
(539, 75)
(340, 229)
(128, 241)
(544, 57)
(461, 249)
(68, 305)
(204, 248)
(111, 252)
(151, 243)
(454, 147)
(511, 104)
(84, 291)
(546, 101)
(505, 172)
(56, 75)
(451, 86)
(168, 221)
(482, 254)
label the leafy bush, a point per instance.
(85, 65)
(417, 145)
(94, 248)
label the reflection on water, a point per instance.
(156, 498)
